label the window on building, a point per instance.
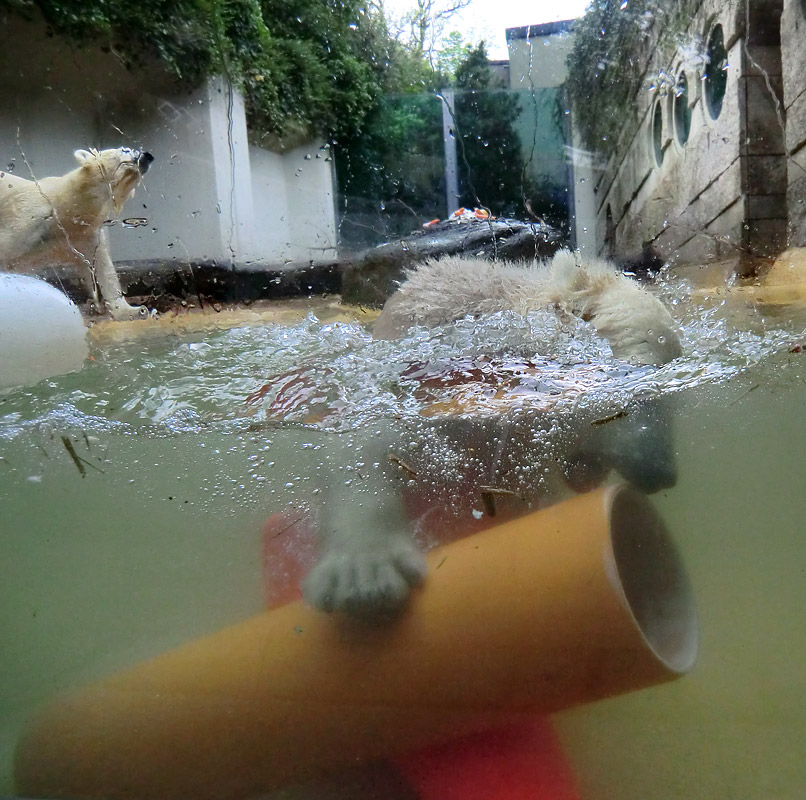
(681, 110)
(716, 72)
(657, 133)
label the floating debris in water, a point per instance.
(77, 459)
(611, 418)
(406, 467)
(488, 495)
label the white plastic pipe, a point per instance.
(41, 332)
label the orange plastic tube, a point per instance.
(578, 602)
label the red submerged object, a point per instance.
(523, 761)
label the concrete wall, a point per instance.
(294, 201)
(209, 195)
(793, 56)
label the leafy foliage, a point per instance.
(305, 66)
(390, 171)
(391, 177)
(452, 50)
(490, 158)
(613, 45)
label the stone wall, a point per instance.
(702, 180)
(793, 49)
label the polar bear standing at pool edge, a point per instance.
(369, 560)
(58, 220)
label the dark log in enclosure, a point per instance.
(166, 285)
(373, 275)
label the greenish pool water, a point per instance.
(734, 726)
(132, 496)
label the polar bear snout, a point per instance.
(638, 445)
(651, 470)
(144, 160)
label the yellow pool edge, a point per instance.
(193, 319)
(783, 284)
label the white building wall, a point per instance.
(538, 61)
(309, 182)
(294, 205)
(270, 203)
(179, 196)
(233, 174)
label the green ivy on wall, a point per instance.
(306, 67)
(615, 44)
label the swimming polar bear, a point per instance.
(59, 221)
(369, 560)
(636, 324)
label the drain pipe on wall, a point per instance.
(449, 135)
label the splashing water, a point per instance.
(335, 376)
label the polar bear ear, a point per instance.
(83, 156)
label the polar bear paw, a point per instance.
(122, 311)
(372, 582)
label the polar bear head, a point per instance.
(120, 169)
(635, 323)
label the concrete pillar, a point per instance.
(763, 147)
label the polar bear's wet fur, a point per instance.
(369, 561)
(634, 322)
(58, 221)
